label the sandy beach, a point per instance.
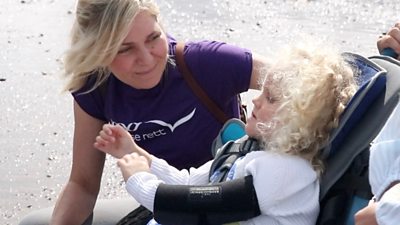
(36, 117)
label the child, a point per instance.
(303, 95)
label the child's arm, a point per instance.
(116, 141)
(172, 175)
(131, 164)
(140, 184)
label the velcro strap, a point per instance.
(225, 202)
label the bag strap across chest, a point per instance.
(218, 113)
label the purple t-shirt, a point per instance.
(168, 120)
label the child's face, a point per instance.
(265, 106)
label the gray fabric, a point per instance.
(326, 152)
(106, 212)
(367, 129)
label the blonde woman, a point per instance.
(303, 95)
(120, 70)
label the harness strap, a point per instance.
(227, 155)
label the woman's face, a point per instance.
(265, 106)
(142, 57)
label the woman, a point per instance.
(121, 70)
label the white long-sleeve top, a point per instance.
(385, 169)
(287, 187)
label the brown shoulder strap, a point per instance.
(197, 90)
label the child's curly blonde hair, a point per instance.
(315, 84)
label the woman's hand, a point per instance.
(133, 163)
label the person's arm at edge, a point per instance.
(384, 176)
(369, 215)
(391, 39)
(388, 208)
(393, 192)
(260, 67)
(77, 200)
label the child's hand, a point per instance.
(131, 164)
(115, 140)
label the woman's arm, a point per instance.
(260, 67)
(78, 198)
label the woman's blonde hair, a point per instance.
(315, 84)
(99, 29)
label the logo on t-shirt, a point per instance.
(176, 124)
(134, 126)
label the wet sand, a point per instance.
(36, 118)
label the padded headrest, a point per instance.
(232, 130)
(371, 80)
